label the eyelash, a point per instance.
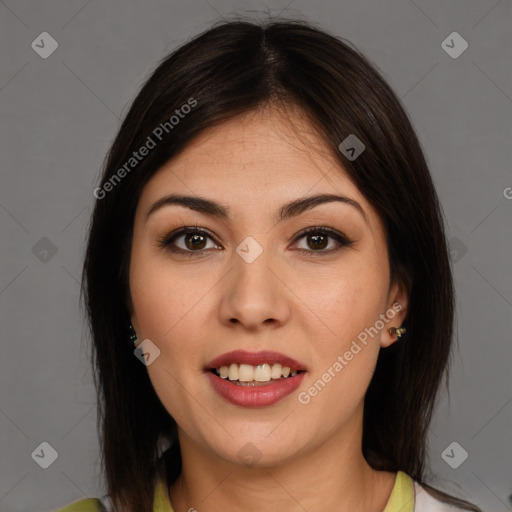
(166, 241)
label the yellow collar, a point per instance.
(161, 501)
(401, 498)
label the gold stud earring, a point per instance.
(399, 331)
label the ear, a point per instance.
(397, 307)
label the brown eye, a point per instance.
(187, 241)
(317, 240)
(194, 241)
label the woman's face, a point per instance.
(250, 280)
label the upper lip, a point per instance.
(254, 359)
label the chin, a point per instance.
(256, 452)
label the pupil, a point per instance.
(195, 239)
(316, 240)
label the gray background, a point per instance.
(59, 116)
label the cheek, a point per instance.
(169, 310)
(344, 361)
(165, 297)
(349, 305)
(348, 302)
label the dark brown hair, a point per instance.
(236, 67)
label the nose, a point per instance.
(255, 294)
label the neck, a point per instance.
(333, 476)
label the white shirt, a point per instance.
(424, 502)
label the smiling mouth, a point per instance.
(260, 375)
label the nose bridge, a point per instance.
(254, 294)
(251, 267)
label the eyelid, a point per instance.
(168, 239)
(334, 233)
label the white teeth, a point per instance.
(245, 373)
(233, 372)
(248, 373)
(262, 373)
(276, 371)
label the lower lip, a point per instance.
(255, 396)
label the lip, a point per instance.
(255, 359)
(257, 396)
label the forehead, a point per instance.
(259, 159)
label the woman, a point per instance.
(268, 284)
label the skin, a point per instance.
(309, 308)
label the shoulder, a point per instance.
(85, 505)
(425, 502)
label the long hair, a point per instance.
(233, 68)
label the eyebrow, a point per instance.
(215, 209)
